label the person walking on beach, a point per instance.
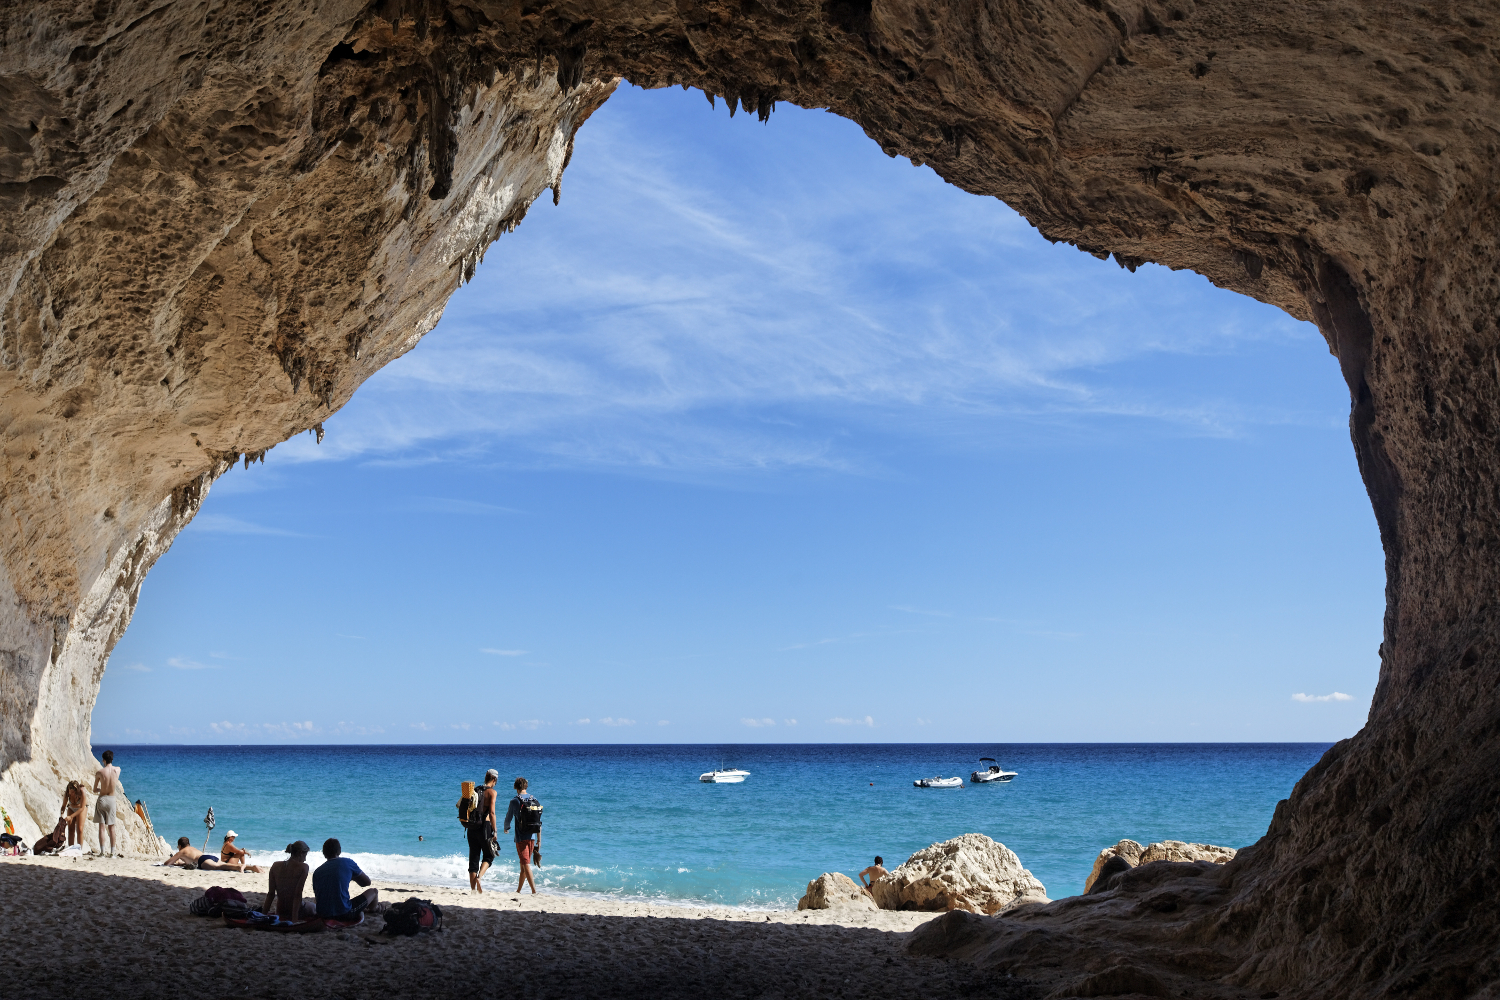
(106, 781)
(528, 823)
(331, 885)
(875, 872)
(288, 878)
(481, 831)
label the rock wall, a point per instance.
(217, 219)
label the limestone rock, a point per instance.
(971, 872)
(833, 890)
(1128, 854)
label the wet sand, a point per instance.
(120, 928)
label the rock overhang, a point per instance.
(217, 222)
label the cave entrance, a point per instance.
(762, 401)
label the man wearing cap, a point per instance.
(481, 831)
(288, 878)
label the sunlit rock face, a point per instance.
(216, 220)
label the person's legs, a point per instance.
(111, 839)
(523, 851)
(101, 838)
(367, 898)
(476, 847)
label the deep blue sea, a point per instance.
(635, 820)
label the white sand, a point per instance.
(119, 927)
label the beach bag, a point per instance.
(217, 901)
(529, 816)
(412, 917)
(54, 841)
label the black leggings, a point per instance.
(479, 844)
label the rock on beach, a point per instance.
(832, 890)
(971, 872)
(1128, 854)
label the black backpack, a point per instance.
(529, 816)
(412, 917)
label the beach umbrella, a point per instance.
(208, 822)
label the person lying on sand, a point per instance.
(188, 856)
(288, 878)
(875, 872)
(331, 885)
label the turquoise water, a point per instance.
(635, 821)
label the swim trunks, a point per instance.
(104, 810)
(206, 857)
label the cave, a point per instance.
(219, 219)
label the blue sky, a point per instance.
(762, 435)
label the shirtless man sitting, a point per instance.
(875, 872)
(288, 878)
(188, 856)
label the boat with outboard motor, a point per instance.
(731, 776)
(994, 773)
(939, 782)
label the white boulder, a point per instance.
(971, 873)
(833, 890)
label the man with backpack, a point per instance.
(481, 830)
(527, 813)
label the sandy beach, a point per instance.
(120, 927)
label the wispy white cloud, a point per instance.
(789, 722)
(353, 729)
(663, 722)
(227, 727)
(458, 725)
(504, 652)
(941, 306)
(183, 663)
(137, 667)
(606, 721)
(288, 729)
(757, 723)
(424, 727)
(1335, 696)
(581, 722)
(446, 505)
(223, 524)
(840, 721)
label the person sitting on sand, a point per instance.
(331, 885)
(229, 852)
(188, 856)
(875, 872)
(75, 804)
(288, 878)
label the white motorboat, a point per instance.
(730, 776)
(939, 782)
(993, 773)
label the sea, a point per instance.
(635, 821)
